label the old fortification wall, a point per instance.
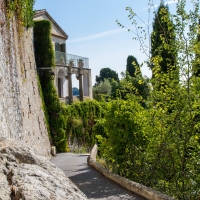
(21, 114)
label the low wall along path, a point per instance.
(91, 182)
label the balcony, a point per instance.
(70, 60)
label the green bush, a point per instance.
(65, 121)
(55, 114)
(125, 138)
(81, 118)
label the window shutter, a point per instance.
(62, 48)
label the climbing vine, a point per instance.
(22, 10)
(66, 122)
(54, 114)
(44, 52)
(81, 118)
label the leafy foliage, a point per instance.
(163, 48)
(125, 138)
(66, 122)
(197, 49)
(81, 118)
(45, 58)
(106, 73)
(128, 86)
(159, 145)
(102, 90)
(132, 66)
(44, 52)
(22, 9)
(173, 152)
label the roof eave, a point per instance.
(53, 21)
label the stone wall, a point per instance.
(26, 175)
(21, 114)
(132, 186)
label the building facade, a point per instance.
(67, 64)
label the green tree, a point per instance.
(139, 85)
(170, 159)
(106, 73)
(197, 61)
(125, 138)
(163, 47)
(132, 66)
(102, 90)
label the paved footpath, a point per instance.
(89, 181)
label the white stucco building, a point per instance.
(67, 64)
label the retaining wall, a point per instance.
(137, 188)
(21, 113)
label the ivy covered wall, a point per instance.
(54, 112)
(22, 10)
(22, 118)
(65, 122)
(81, 119)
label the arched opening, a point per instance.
(75, 87)
(62, 84)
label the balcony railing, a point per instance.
(71, 60)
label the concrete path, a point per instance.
(89, 181)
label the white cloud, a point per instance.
(99, 35)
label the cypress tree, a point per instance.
(132, 66)
(163, 50)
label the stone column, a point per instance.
(69, 78)
(90, 84)
(80, 78)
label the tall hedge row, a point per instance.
(44, 55)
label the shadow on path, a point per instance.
(90, 181)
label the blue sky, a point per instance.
(93, 32)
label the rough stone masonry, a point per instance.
(21, 114)
(26, 175)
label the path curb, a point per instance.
(137, 188)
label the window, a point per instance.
(57, 47)
(60, 47)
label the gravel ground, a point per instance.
(89, 181)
